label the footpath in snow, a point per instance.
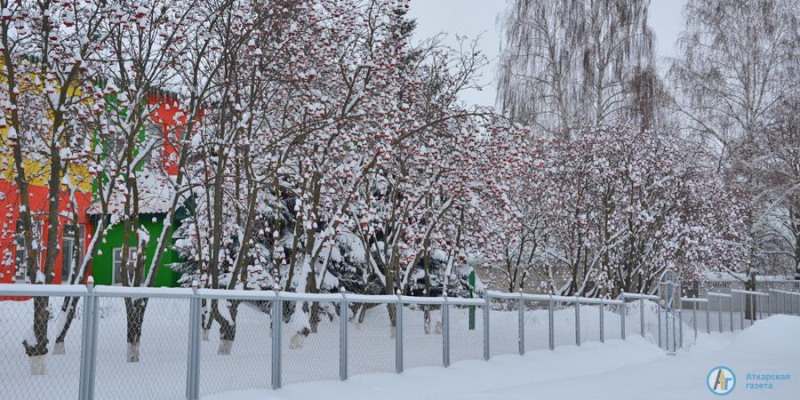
(631, 369)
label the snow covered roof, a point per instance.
(155, 195)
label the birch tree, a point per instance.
(738, 63)
(566, 63)
(48, 79)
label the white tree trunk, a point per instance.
(225, 347)
(133, 352)
(38, 365)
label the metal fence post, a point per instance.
(719, 312)
(398, 336)
(641, 315)
(486, 352)
(93, 349)
(708, 315)
(602, 323)
(769, 302)
(694, 317)
(445, 331)
(730, 310)
(797, 303)
(680, 324)
(577, 321)
(623, 315)
(521, 324)
(277, 319)
(193, 368)
(783, 302)
(741, 315)
(88, 343)
(550, 321)
(666, 327)
(658, 313)
(752, 311)
(343, 335)
(760, 307)
(85, 342)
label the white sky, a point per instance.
(479, 18)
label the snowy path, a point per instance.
(632, 369)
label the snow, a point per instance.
(311, 368)
(155, 195)
(631, 369)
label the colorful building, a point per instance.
(78, 214)
(155, 190)
(74, 229)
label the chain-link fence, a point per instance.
(67, 342)
(504, 321)
(46, 369)
(244, 361)
(465, 340)
(311, 340)
(536, 325)
(422, 333)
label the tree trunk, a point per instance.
(135, 309)
(227, 329)
(38, 350)
(69, 306)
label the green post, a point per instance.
(471, 295)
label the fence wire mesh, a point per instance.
(422, 335)
(564, 323)
(612, 315)
(691, 316)
(54, 375)
(504, 326)
(227, 365)
(310, 341)
(142, 348)
(466, 339)
(738, 310)
(633, 321)
(590, 322)
(537, 325)
(371, 338)
(146, 356)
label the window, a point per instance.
(130, 267)
(70, 246)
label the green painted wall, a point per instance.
(103, 264)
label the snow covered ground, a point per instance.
(631, 369)
(313, 367)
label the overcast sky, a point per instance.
(479, 18)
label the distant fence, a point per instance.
(177, 359)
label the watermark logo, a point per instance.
(721, 381)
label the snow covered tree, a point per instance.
(47, 83)
(624, 206)
(569, 63)
(738, 64)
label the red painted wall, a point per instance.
(9, 214)
(164, 116)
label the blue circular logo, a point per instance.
(721, 380)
